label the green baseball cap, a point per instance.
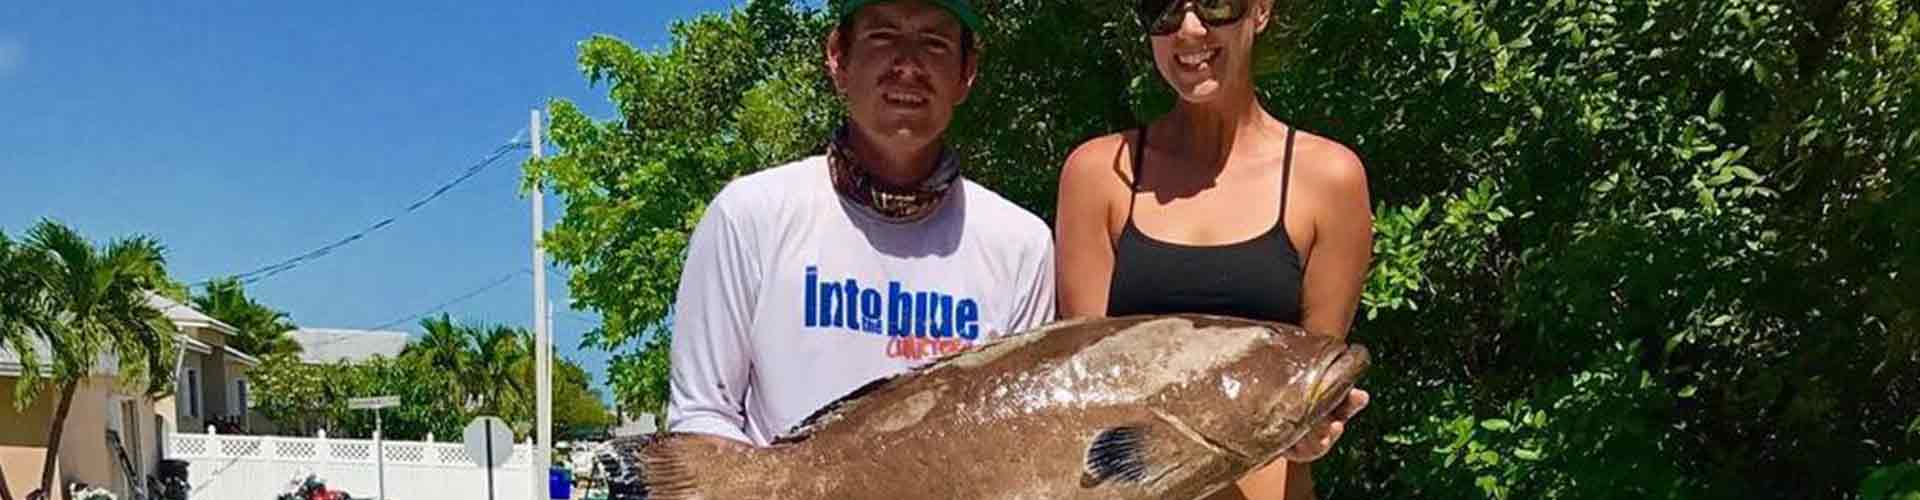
(959, 8)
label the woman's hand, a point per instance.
(1320, 440)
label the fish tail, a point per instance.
(684, 466)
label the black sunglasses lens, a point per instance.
(1162, 17)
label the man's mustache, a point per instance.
(894, 80)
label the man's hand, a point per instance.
(1321, 439)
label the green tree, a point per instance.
(303, 398)
(424, 407)
(299, 398)
(1657, 245)
(1647, 243)
(263, 330)
(498, 356)
(85, 302)
(1896, 482)
(480, 363)
(19, 318)
(443, 344)
(639, 379)
(579, 411)
(452, 373)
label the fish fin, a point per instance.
(1117, 455)
(686, 466)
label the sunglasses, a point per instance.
(1163, 17)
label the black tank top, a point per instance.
(1254, 279)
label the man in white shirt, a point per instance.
(808, 280)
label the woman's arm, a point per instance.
(1083, 229)
(1342, 247)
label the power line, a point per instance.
(502, 280)
(256, 275)
(496, 283)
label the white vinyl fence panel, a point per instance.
(261, 468)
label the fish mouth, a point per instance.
(1340, 369)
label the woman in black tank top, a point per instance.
(1257, 278)
(1218, 208)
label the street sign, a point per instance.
(373, 403)
(489, 437)
(489, 443)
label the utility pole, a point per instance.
(543, 342)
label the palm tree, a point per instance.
(498, 353)
(480, 362)
(19, 316)
(263, 330)
(444, 349)
(444, 345)
(90, 302)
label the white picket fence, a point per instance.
(261, 468)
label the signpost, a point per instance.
(373, 403)
(489, 442)
(379, 443)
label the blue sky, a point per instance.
(241, 133)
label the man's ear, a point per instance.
(835, 58)
(972, 70)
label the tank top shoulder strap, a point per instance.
(1286, 174)
(1133, 184)
(1139, 154)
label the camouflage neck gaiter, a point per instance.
(893, 203)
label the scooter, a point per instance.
(311, 487)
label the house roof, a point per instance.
(183, 315)
(329, 345)
(107, 363)
(242, 357)
(191, 344)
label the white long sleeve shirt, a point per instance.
(791, 297)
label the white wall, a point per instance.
(256, 468)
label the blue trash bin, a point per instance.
(559, 483)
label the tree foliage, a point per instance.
(579, 411)
(302, 398)
(262, 329)
(444, 378)
(1625, 248)
(22, 309)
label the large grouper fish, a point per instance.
(1160, 407)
